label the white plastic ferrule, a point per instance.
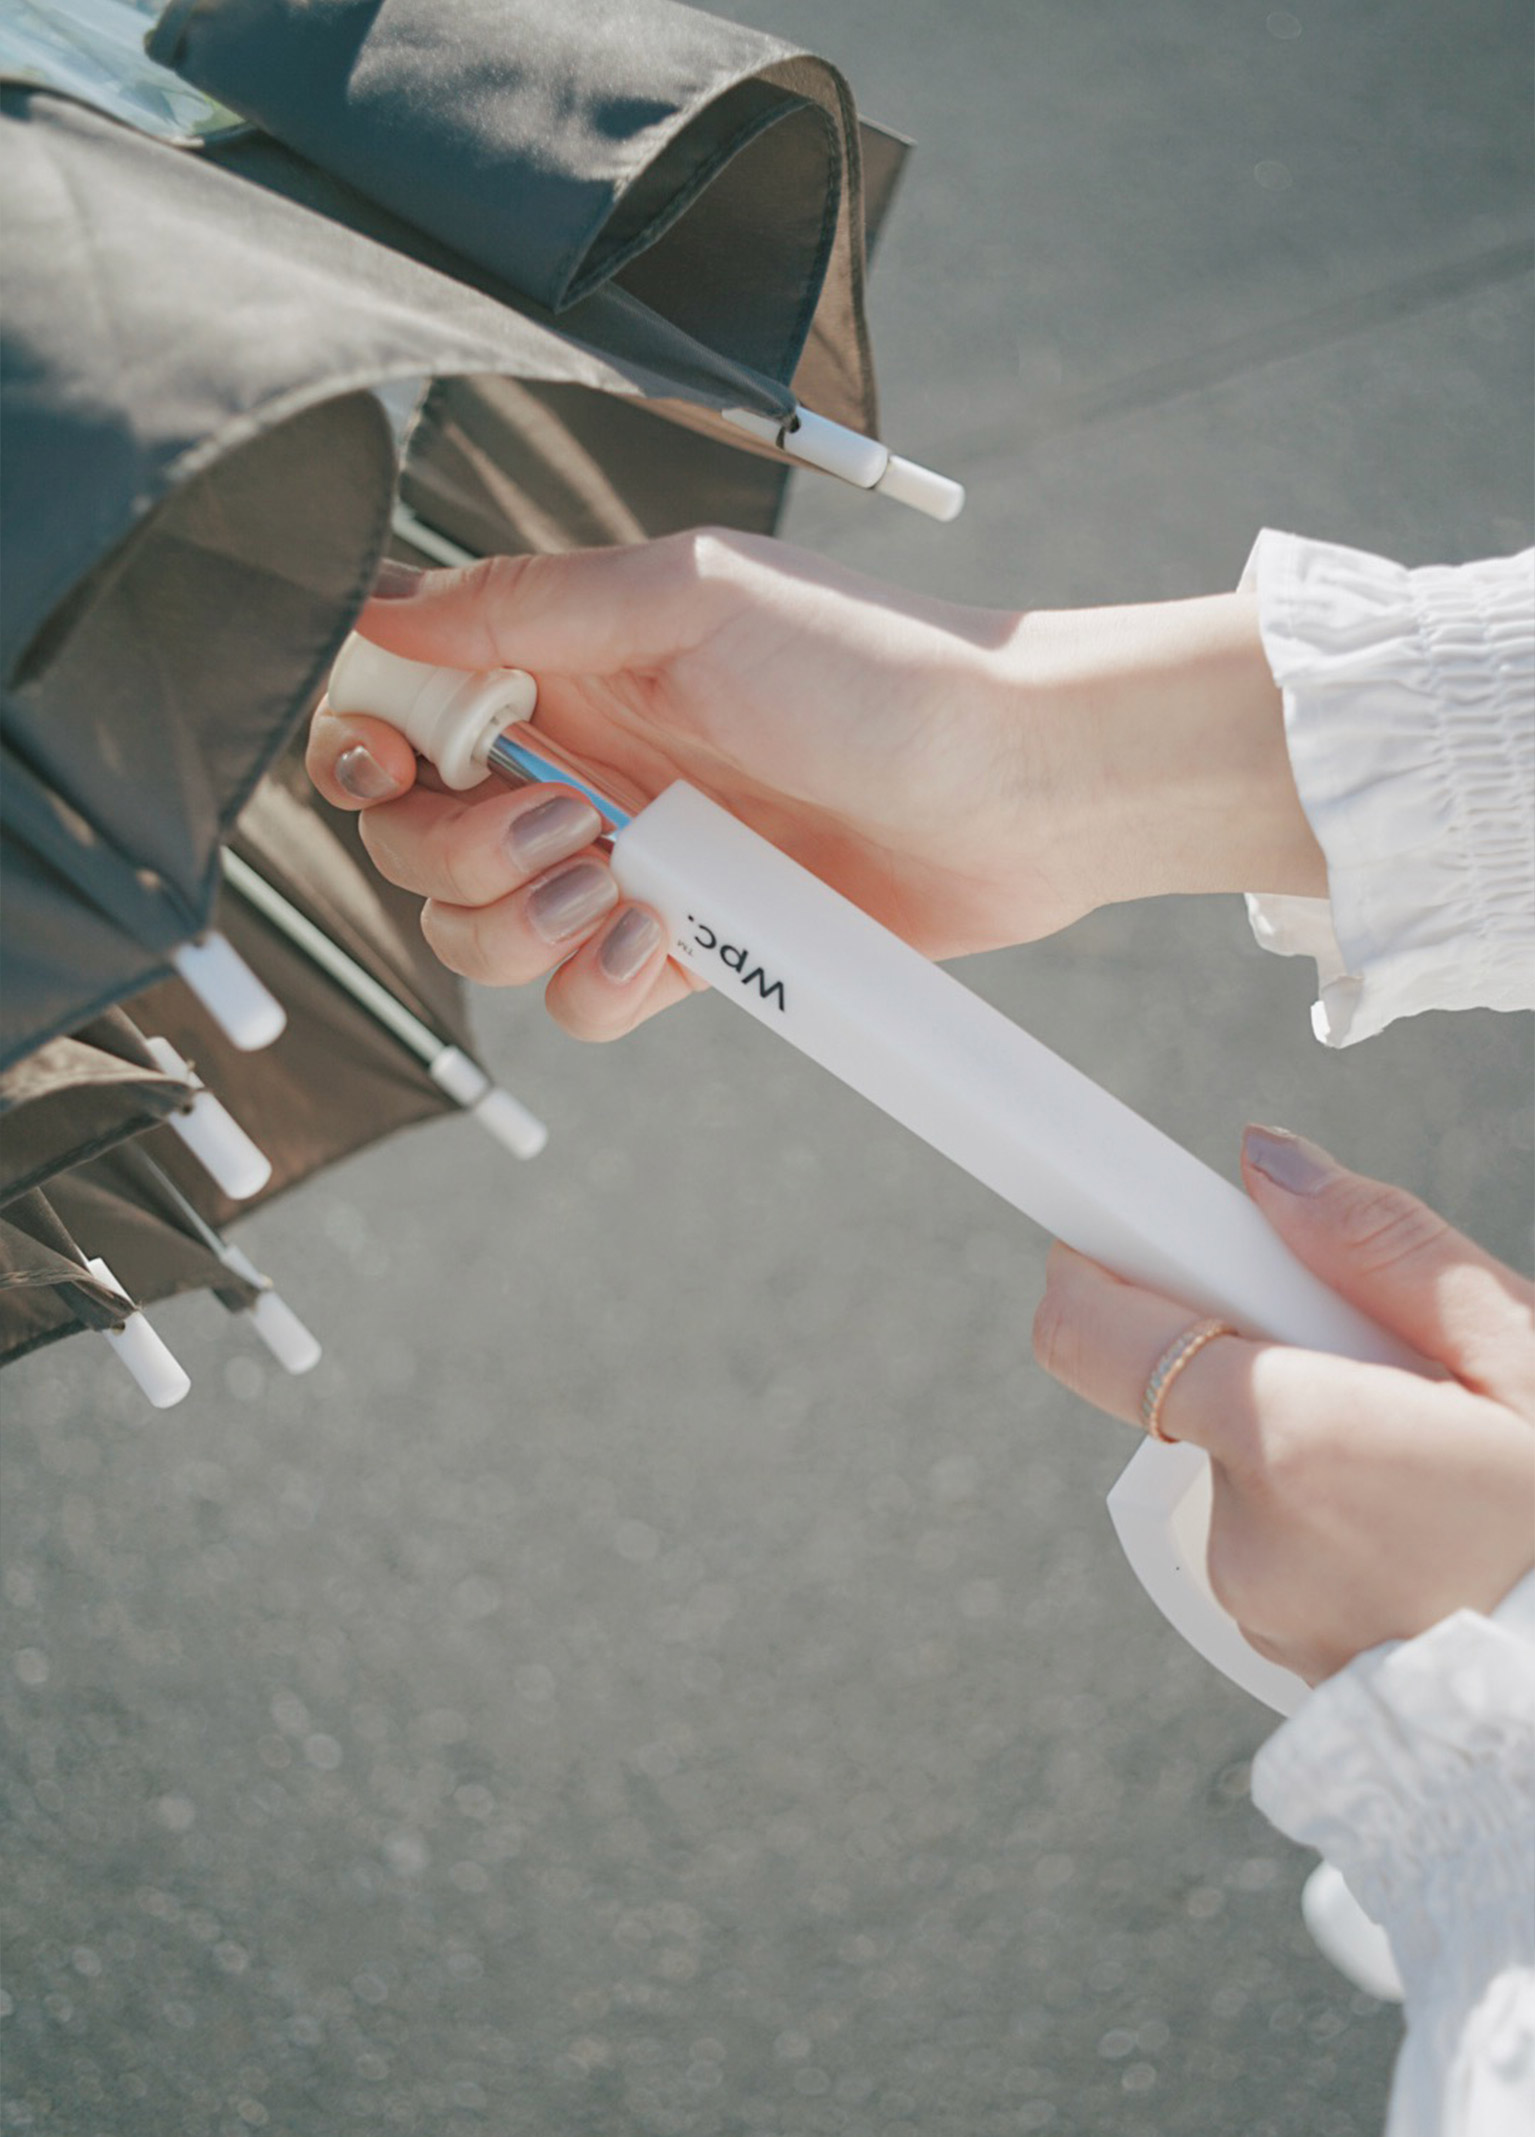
(497, 1111)
(136, 1345)
(211, 1132)
(852, 457)
(246, 1012)
(509, 1121)
(818, 442)
(922, 488)
(296, 1348)
(272, 1318)
(446, 715)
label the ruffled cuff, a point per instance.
(1413, 1772)
(1409, 705)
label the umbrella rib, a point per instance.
(358, 982)
(450, 1068)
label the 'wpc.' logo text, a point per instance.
(736, 960)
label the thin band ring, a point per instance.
(1179, 1353)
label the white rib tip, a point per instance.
(817, 442)
(137, 1347)
(248, 1013)
(497, 1111)
(922, 488)
(211, 1132)
(512, 1125)
(1344, 1933)
(294, 1347)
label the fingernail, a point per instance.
(552, 831)
(1292, 1163)
(395, 581)
(571, 901)
(628, 943)
(359, 771)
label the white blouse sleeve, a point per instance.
(1413, 1771)
(1409, 707)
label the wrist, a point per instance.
(1166, 730)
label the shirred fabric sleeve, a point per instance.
(1413, 1771)
(1409, 708)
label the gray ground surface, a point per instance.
(669, 1672)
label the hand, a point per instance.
(1352, 1503)
(969, 777)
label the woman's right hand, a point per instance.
(969, 777)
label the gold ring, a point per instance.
(1177, 1355)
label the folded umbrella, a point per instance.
(621, 247)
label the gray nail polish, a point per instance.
(628, 943)
(551, 832)
(571, 901)
(359, 771)
(1292, 1163)
(395, 581)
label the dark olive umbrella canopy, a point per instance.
(584, 232)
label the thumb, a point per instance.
(580, 612)
(1391, 1256)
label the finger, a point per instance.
(472, 849)
(355, 762)
(1103, 1338)
(618, 979)
(579, 612)
(520, 938)
(1400, 1263)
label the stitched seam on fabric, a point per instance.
(575, 286)
(624, 177)
(79, 1154)
(815, 282)
(314, 675)
(108, 998)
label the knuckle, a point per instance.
(494, 580)
(1057, 1336)
(707, 556)
(1383, 1227)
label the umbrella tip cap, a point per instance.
(248, 1013)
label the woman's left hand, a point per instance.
(1352, 1503)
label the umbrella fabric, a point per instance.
(77, 1097)
(499, 465)
(204, 489)
(201, 503)
(559, 145)
(335, 1081)
(124, 1209)
(46, 1290)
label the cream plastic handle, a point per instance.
(449, 717)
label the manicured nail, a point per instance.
(571, 901)
(628, 943)
(552, 832)
(394, 581)
(359, 771)
(1292, 1163)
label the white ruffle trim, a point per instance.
(1409, 705)
(1413, 1771)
